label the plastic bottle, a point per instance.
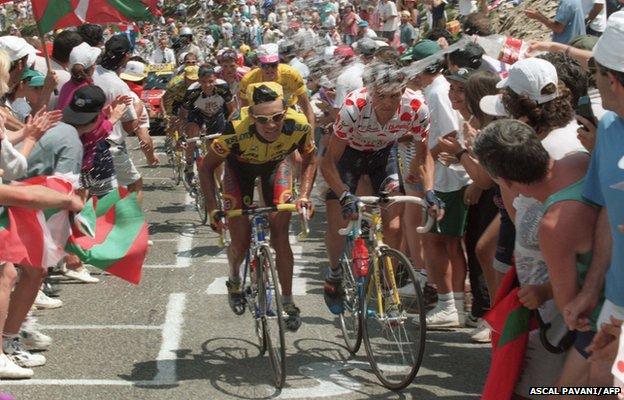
(360, 257)
(503, 48)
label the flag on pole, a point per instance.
(55, 14)
(119, 243)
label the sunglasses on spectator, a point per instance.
(190, 62)
(269, 65)
(228, 55)
(265, 119)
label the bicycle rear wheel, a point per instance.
(394, 332)
(350, 321)
(270, 306)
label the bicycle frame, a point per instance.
(374, 219)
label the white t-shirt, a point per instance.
(386, 12)
(349, 80)
(467, 7)
(301, 67)
(113, 86)
(160, 56)
(444, 120)
(600, 22)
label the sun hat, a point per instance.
(16, 47)
(134, 72)
(84, 55)
(526, 77)
(268, 53)
(608, 51)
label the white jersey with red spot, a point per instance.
(357, 123)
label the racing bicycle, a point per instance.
(194, 188)
(391, 324)
(261, 289)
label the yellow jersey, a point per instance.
(287, 76)
(242, 141)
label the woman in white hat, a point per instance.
(82, 64)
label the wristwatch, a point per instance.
(460, 153)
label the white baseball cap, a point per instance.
(526, 77)
(268, 53)
(16, 47)
(134, 72)
(84, 55)
(608, 51)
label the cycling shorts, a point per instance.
(381, 166)
(213, 124)
(239, 183)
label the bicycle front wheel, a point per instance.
(200, 205)
(350, 317)
(270, 308)
(178, 167)
(393, 325)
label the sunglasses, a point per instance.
(228, 55)
(265, 119)
(190, 62)
(267, 66)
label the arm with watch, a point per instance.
(452, 146)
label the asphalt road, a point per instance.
(174, 336)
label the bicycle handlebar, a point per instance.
(389, 200)
(201, 138)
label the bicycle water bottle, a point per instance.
(360, 257)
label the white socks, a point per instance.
(459, 301)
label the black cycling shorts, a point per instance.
(213, 124)
(381, 166)
(239, 182)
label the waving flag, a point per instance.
(511, 323)
(55, 14)
(35, 238)
(111, 234)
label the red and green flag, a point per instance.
(111, 234)
(511, 323)
(56, 14)
(35, 238)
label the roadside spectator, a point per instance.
(569, 21)
(605, 173)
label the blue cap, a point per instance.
(362, 23)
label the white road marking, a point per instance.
(299, 284)
(172, 335)
(160, 266)
(99, 327)
(77, 382)
(185, 242)
(331, 383)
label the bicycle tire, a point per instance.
(270, 305)
(400, 323)
(200, 205)
(178, 168)
(350, 321)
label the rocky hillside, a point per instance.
(510, 20)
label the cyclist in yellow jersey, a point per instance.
(259, 145)
(174, 95)
(271, 70)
